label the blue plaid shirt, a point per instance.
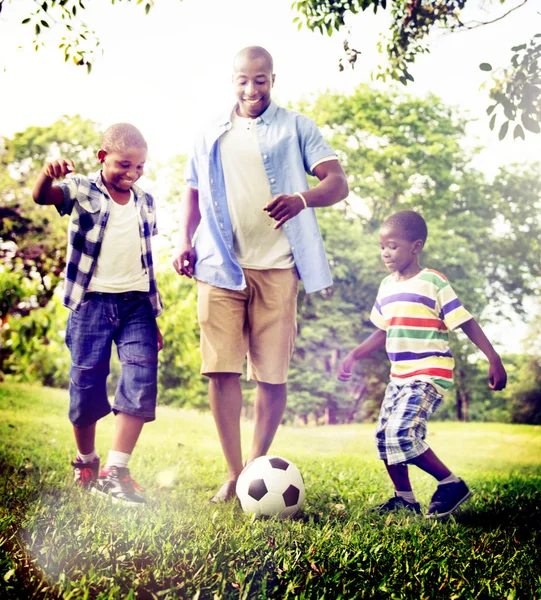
(88, 203)
(290, 145)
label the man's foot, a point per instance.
(397, 503)
(117, 483)
(85, 473)
(226, 492)
(447, 498)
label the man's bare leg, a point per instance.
(270, 403)
(225, 398)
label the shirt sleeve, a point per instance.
(69, 187)
(451, 311)
(314, 148)
(376, 315)
(190, 171)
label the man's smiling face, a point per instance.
(253, 80)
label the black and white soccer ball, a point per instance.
(271, 486)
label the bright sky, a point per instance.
(167, 72)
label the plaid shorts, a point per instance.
(401, 429)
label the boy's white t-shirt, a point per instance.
(119, 267)
(257, 244)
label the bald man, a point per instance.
(257, 235)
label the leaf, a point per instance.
(529, 123)
(491, 108)
(492, 121)
(503, 130)
(485, 67)
(518, 132)
(24, 21)
(518, 48)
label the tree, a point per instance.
(33, 238)
(515, 88)
(78, 42)
(401, 152)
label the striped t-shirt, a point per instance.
(417, 315)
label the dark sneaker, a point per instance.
(447, 498)
(85, 473)
(225, 493)
(117, 483)
(397, 503)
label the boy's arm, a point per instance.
(44, 191)
(374, 342)
(190, 217)
(497, 377)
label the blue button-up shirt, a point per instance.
(290, 143)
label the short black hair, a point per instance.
(409, 224)
(121, 136)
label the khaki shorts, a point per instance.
(259, 322)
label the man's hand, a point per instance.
(59, 168)
(497, 377)
(184, 262)
(284, 207)
(346, 368)
(160, 340)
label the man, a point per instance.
(258, 234)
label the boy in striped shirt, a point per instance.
(414, 311)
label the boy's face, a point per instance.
(398, 254)
(252, 80)
(122, 168)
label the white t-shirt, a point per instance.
(257, 244)
(119, 267)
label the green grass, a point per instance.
(59, 542)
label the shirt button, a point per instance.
(258, 120)
(265, 156)
(286, 225)
(215, 203)
(273, 180)
(292, 248)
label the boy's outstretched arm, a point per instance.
(497, 377)
(44, 191)
(372, 343)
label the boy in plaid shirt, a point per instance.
(414, 311)
(111, 290)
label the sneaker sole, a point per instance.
(436, 515)
(115, 500)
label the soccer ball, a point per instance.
(271, 486)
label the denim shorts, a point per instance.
(128, 320)
(401, 429)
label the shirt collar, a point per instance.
(266, 117)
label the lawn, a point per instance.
(57, 541)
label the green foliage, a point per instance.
(516, 90)
(33, 348)
(33, 238)
(78, 42)
(180, 383)
(405, 153)
(60, 542)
